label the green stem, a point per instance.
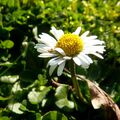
(75, 82)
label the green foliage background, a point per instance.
(26, 91)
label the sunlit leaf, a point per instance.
(54, 115)
(16, 87)
(15, 107)
(11, 3)
(8, 44)
(9, 78)
(23, 108)
(4, 98)
(8, 64)
(25, 1)
(35, 97)
(61, 97)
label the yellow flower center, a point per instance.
(71, 44)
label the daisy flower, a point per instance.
(68, 46)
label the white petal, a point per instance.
(57, 33)
(87, 41)
(99, 49)
(92, 37)
(77, 60)
(51, 69)
(45, 55)
(59, 50)
(60, 68)
(98, 55)
(88, 58)
(42, 48)
(52, 61)
(83, 60)
(93, 49)
(67, 57)
(77, 32)
(84, 65)
(39, 45)
(84, 34)
(47, 39)
(55, 61)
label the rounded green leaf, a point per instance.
(33, 97)
(54, 115)
(8, 44)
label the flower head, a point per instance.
(71, 44)
(63, 47)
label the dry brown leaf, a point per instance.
(99, 98)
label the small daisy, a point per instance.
(70, 46)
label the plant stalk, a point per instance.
(75, 82)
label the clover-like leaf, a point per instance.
(8, 44)
(61, 97)
(35, 97)
(15, 107)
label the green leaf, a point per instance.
(10, 28)
(42, 79)
(25, 1)
(23, 108)
(11, 3)
(65, 103)
(17, 3)
(7, 44)
(15, 107)
(3, 2)
(9, 78)
(1, 18)
(61, 97)
(38, 116)
(35, 97)
(7, 64)
(54, 115)
(16, 87)
(4, 118)
(4, 98)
